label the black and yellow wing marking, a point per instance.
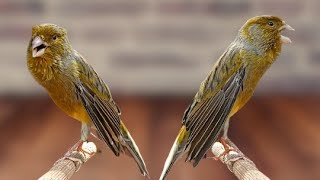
(204, 119)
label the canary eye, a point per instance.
(54, 37)
(270, 23)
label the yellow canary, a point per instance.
(77, 89)
(227, 88)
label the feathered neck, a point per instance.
(253, 38)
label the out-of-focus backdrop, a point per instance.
(153, 55)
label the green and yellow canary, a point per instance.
(77, 89)
(228, 87)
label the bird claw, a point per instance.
(82, 150)
(79, 147)
(227, 148)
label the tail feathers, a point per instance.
(177, 150)
(173, 156)
(131, 149)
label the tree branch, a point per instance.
(242, 167)
(71, 162)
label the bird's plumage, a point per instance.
(203, 122)
(227, 88)
(77, 89)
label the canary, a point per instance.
(76, 88)
(227, 88)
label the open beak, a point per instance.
(38, 47)
(285, 39)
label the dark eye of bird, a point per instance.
(54, 37)
(270, 23)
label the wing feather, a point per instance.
(205, 120)
(103, 117)
(105, 114)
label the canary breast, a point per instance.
(59, 86)
(66, 99)
(256, 67)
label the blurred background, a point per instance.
(154, 55)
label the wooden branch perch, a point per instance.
(242, 167)
(71, 162)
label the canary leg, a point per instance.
(85, 132)
(224, 140)
(226, 145)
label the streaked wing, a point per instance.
(103, 115)
(97, 100)
(204, 119)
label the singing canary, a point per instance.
(76, 88)
(228, 87)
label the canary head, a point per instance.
(265, 30)
(46, 40)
